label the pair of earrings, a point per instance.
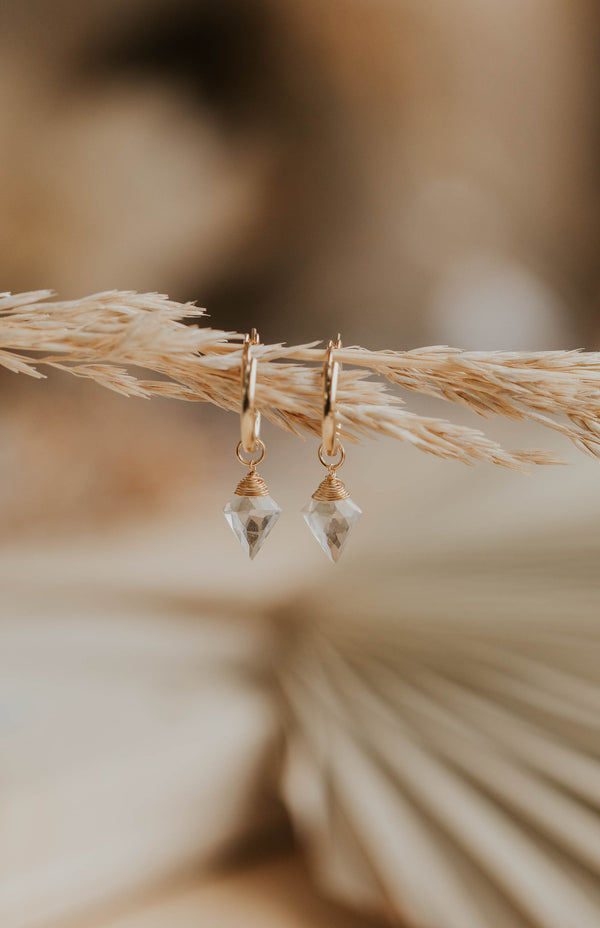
(252, 513)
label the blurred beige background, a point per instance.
(405, 173)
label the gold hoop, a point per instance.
(329, 464)
(249, 417)
(330, 425)
(260, 458)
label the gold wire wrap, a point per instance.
(330, 489)
(252, 485)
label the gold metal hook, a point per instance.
(249, 417)
(330, 425)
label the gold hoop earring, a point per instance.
(252, 512)
(331, 514)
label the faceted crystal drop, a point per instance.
(251, 519)
(331, 521)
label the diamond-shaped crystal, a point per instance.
(251, 519)
(331, 521)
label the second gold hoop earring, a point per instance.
(252, 512)
(331, 514)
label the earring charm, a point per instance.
(252, 512)
(331, 514)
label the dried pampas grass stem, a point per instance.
(118, 338)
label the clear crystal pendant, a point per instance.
(252, 513)
(331, 515)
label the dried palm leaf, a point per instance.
(442, 706)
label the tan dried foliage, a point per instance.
(117, 338)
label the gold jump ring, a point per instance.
(330, 464)
(260, 458)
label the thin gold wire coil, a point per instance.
(330, 490)
(252, 485)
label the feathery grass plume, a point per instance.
(110, 336)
